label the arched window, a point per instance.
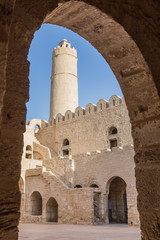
(77, 186)
(113, 130)
(28, 148)
(66, 142)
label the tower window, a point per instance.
(114, 102)
(101, 106)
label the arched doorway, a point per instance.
(36, 203)
(117, 201)
(52, 210)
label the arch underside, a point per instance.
(140, 89)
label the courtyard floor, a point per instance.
(77, 232)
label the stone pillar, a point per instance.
(64, 80)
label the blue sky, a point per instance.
(95, 78)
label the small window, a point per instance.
(113, 143)
(77, 186)
(65, 152)
(113, 130)
(94, 186)
(66, 45)
(101, 106)
(28, 148)
(78, 113)
(89, 109)
(29, 156)
(65, 142)
(114, 102)
(67, 116)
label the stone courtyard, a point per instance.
(69, 232)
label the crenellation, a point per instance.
(88, 110)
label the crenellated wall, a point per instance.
(88, 129)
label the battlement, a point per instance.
(64, 47)
(90, 109)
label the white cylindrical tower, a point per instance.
(64, 80)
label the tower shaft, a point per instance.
(64, 80)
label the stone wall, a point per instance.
(88, 131)
(74, 205)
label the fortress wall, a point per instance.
(75, 206)
(87, 130)
(100, 168)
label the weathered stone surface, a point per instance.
(19, 21)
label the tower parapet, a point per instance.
(64, 80)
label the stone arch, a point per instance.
(52, 210)
(117, 201)
(101, 23)
(36, 203)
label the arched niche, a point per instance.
(52, 210)
(36, 203)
